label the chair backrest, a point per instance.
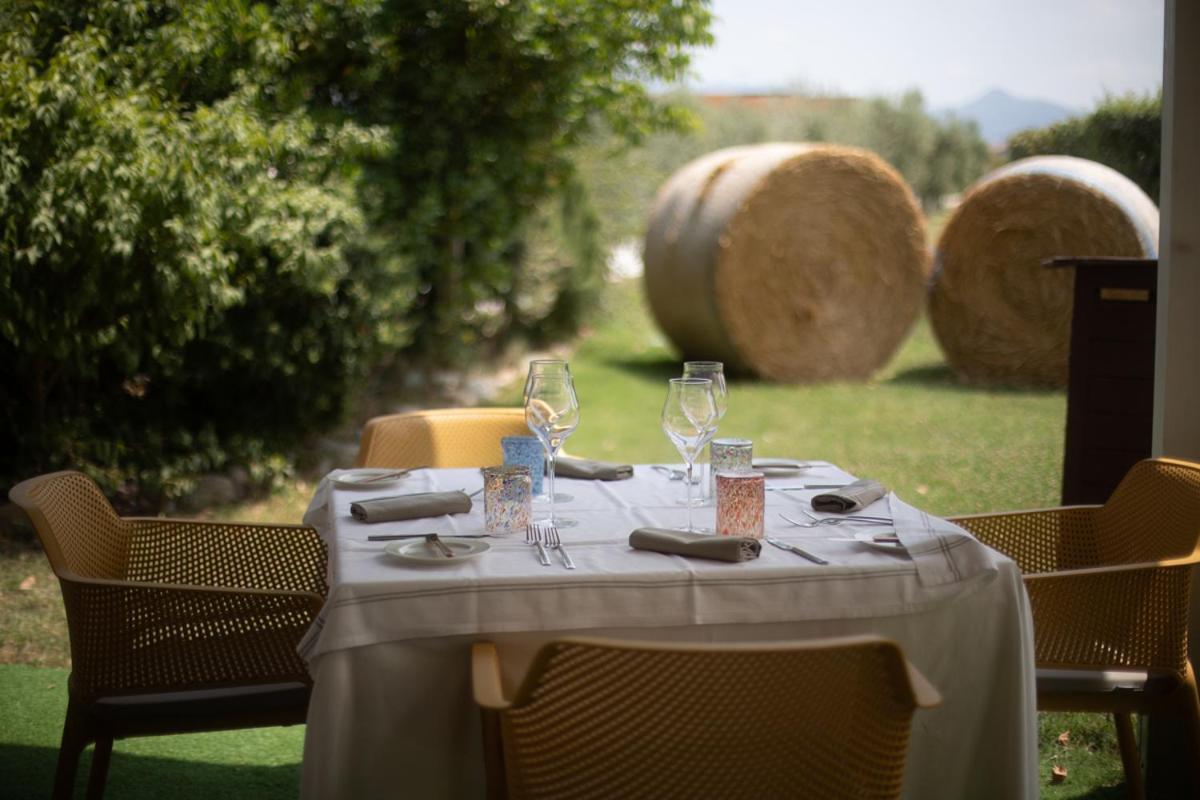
(79, 530)
(449, 437)
(1154, 514)
(598, 718)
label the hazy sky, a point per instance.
(1067, 51)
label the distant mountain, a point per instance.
(1000, 115)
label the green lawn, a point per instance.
(946, 447)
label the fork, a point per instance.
(674, 474)
(533, 535)
(554, 542)
(853, 520)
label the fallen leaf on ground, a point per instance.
(1058, 774)
(1064, 738)
(28, 583)
(922, 489)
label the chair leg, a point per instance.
(74, 739)
(1131, 758)
(1191, 713)
(98, 776)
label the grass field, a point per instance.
(944, 446)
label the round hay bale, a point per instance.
(999, 315)
(797, 262)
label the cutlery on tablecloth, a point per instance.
(391, 537)
(433, 539)
(533, 535)
(800, 551)
(554, 542)
(674, 474)
(833, 521)
(806, 487)
(385, 476)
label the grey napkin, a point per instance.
(850, 497)
(410, 506)
(695, 545)
(567, 467)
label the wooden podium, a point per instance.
(1110, 394)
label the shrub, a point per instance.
(177, 268)
(487, 102)
(1124, 133)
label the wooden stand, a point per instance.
(1110, 395)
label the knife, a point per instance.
(391, 537)
(433, 539)
(800, 551)
(806, 487)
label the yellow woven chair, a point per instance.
(175, 625)
(1110, 590)
(597, 718)
(446, 437)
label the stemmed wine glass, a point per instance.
(689, 418)
(548, 366)
(714, 371)
(552, 413)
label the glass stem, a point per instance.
(689, 495)
(550, 474)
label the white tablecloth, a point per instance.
(391, 712)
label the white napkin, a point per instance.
(942, 552)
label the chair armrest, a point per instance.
(225, 554)
(1039, 540)
(1128, 616)
(485, 677)
(130, 637)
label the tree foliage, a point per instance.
(485, 102)
(1123, 132)
(214, 215)
(177, 268)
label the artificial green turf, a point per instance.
(261, 763)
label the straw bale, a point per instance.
(797, 262)
(999, 315)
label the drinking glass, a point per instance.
(689, 418)
(547, 366)
(552, 413)
(715, 372)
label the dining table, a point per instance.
(392, 713)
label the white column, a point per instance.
(1177, 357)
(1177, 361)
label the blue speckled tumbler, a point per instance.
(526, 451)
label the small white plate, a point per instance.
(868, 538)
(419, 551)
(362, 478)
(778, 466)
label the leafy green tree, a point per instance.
(485, 102)
(1123, 132)
(179, 271)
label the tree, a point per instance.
(178, 269)
(485, 102)
(1124, 133)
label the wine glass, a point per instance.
(714, 371)
(548, 366)
(552, 413)
(689, 418)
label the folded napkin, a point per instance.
(567, 467)
(695, 545)
(410, 506)
(942, 552)
(851, 497)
